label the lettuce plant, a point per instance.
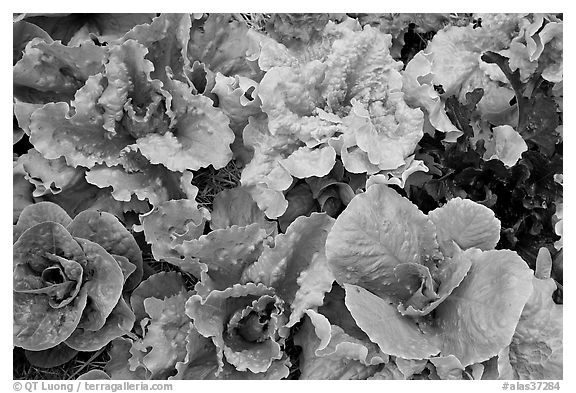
(69, 275)
(375, 170)
(124, 115)
(317, 107)
(397, 265)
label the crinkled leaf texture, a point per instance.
(220, 256)
(245, 323)
(51, 71)
(160, 285)
(264, 178)
(316, 103)
(419, 93)
(163, 343)
(68, 278)
(296, 266)
(48, 176)
(370, 111)
(132, 113)
(235, 206)
(171, 223)
(152, 183)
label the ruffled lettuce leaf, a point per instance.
(264, 178)
(73, 29)
(137, 113)
(235, 206)
(163, 342)
(245, 324)
(134, 103)
(160, 286)
(166, 38)
(296, 265)
(223, 254)
(23, 112)
(85, 196)
(48, 176)
(201, 362)
(316, 104)
(152, 183)
(419, 93)
(220, 43)
(23, 32)
(370, 112)
(399, 176)
(296, 29)
(51, 71)
(171, 223)
(118, 366)
(238, 98)
(82, 140)
(201, 136)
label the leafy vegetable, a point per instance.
(384, 252)
(261, 196)
(59, 264)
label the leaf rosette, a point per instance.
(69, 275)
(397, 265)
(245, 323)
(252, 289)
(317, 107)
(126, 111)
